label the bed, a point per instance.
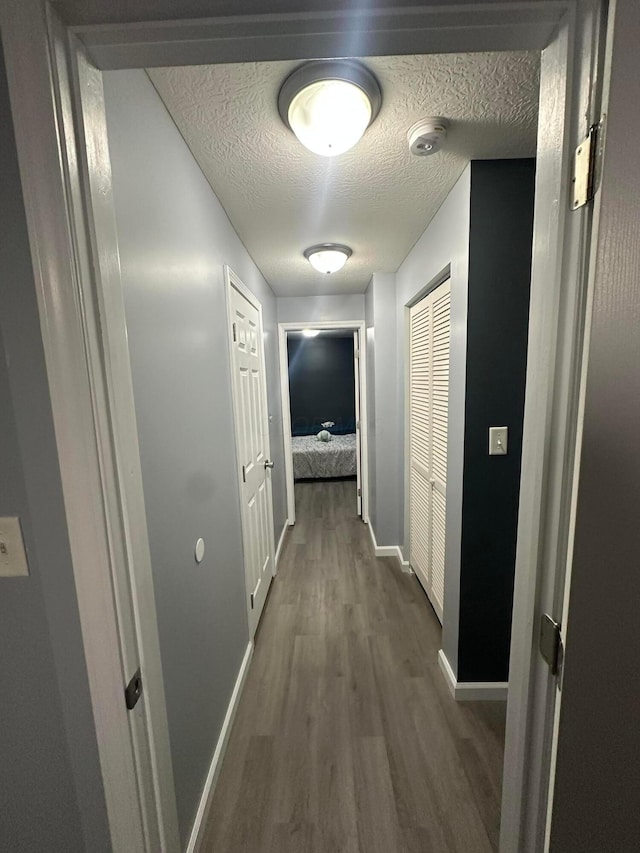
(313, 459)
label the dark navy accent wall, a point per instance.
(502, 195)
(321, 384)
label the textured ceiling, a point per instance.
(376, 198)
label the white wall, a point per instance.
(318, 309)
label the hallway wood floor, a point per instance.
(346, 736)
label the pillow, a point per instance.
(324, 435)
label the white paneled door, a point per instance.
(429, 334)
(252, 440)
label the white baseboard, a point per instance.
(281, 541)
(388, 551)
(195, 839)
(467, 691)
(405, 565)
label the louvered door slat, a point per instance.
(420, 384)
(429, 341)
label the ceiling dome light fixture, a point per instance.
(311, 333)
(329, 103)
(328, 257)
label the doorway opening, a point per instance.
(556, 37)
(323, 386)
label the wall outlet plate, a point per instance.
(498, 439)
(13, 558)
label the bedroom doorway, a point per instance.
(323, 390)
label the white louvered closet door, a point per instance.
(429, 334)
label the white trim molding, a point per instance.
(439, 28)
(281, 543)
(467, 691)
(63, 226)
(389, 551)
(297, 326)
(197, 831)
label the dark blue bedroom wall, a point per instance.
(321, 384)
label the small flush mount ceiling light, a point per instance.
(328, 257)
(427, 136)
(311, 333)
(329, 103)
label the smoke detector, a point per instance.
(427, 136)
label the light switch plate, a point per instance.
(498, 438)
(13, 559)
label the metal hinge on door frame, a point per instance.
(551, 647)
(587, 166)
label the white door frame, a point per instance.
(358, 344)
(231, 280)
(283, 330)
(64, 216)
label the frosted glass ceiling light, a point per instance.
(329, 104)
(328, 257)
(311, 333)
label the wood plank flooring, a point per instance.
(346, 736)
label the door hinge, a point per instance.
(244, 474)
(359, 493)
(235, 333)
(357, 353)
(587, 166)
(357, 424)
(133, 691)
(551, 647)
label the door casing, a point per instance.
(54, 135)
(283, 330)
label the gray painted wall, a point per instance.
(384, 399)
(370, 344)
(597, 785)
(444, 245)
(50, 783)
(292, 309)
(174, 239)
(443, 250)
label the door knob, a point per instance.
(268, 464)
